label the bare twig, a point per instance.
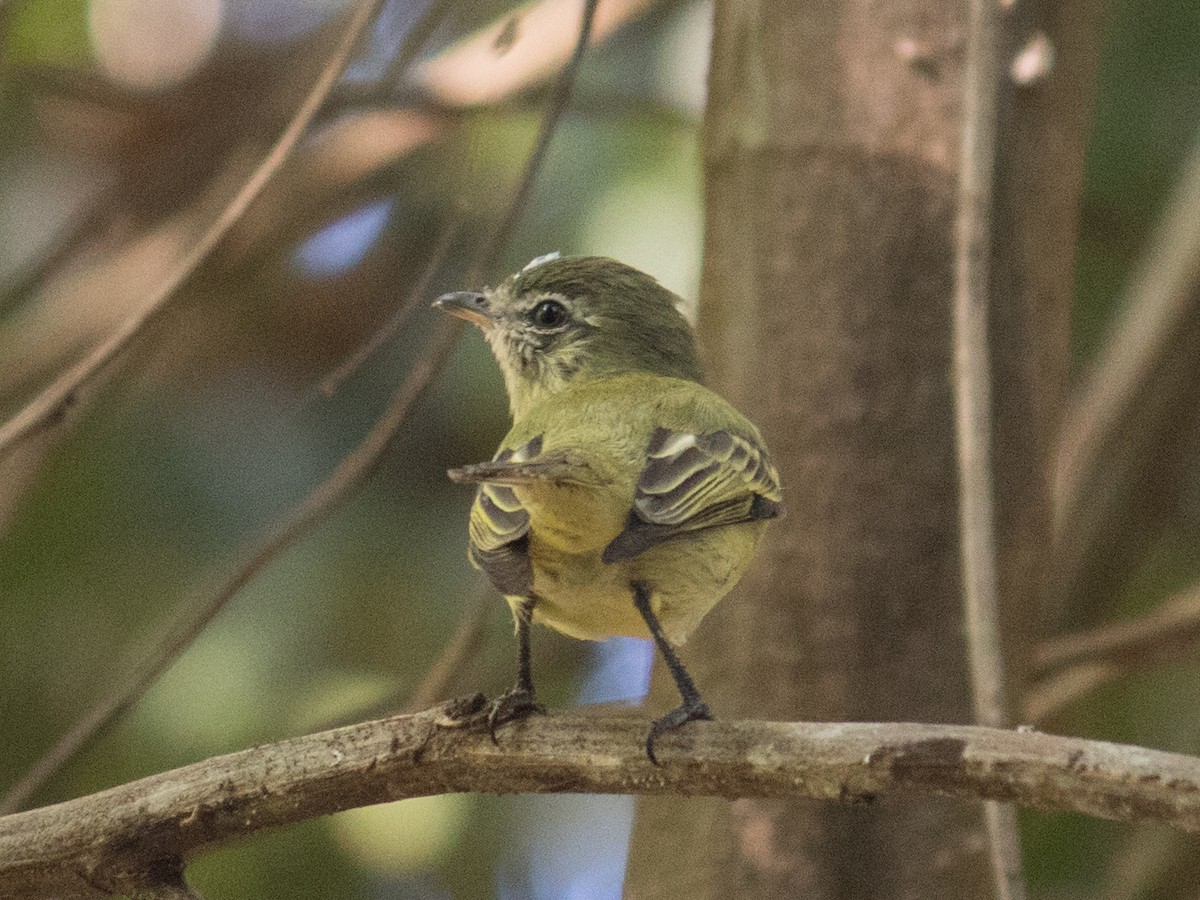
(71, 237)
(46, 405)
(1122, 430)
(110, 841)
(972, 373)
(1053, 693)
(1073, 665)
(518, 51)
(353, 468)
(331, 382)
(973, 415)
(1158, 634)
(559, 101)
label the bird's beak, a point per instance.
(468, 305)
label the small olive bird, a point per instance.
(628, 498)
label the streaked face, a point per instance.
(559, 318)
(541, 335)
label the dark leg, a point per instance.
(518, 702)
(692, 707)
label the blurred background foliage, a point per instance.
(124, 124)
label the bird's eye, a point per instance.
(549, 314)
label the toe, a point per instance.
(676, 718)
(516, 704)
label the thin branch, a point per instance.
(973, 415)
(1054, 693)
(62, 247)
(1073, 665)
(518, 51)
(44, 407)
(350, 472)
(1160, 633)
(972, 370)
(1159, 299)
(419, 294)
(559, 100)
(110, 841)
(1122, 428)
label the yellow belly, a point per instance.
(572, 520)
(585, 598)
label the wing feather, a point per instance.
(499, 526)
(693, 481)
(529, 465)
(499, 536)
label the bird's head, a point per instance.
(560, 320)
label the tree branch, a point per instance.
(195, 616)
(123, 839)
(44, 407)
(1073, 665)
(1160, 634)
(1048, 696)
(973, 415)
(1123, 444)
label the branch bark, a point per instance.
(973, 300)
(133, 838)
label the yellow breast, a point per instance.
(585, 598)
(574, 519)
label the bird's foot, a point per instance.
(676, 718)
(515, 704)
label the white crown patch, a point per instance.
(541, 260)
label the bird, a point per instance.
(628, 498)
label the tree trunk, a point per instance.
(831, 159)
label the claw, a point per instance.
(515, 704)
(676, 718)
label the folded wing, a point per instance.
(499, 526)
(694, 481)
